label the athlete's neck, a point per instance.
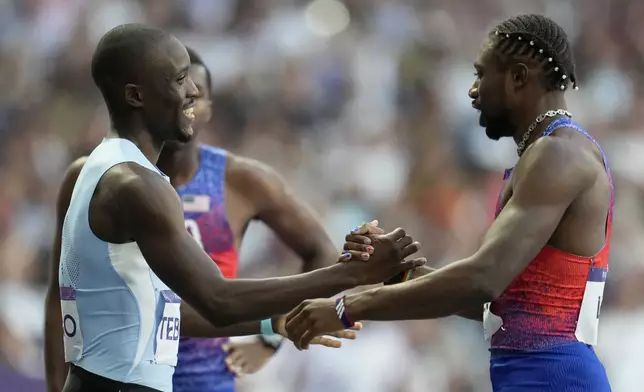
(550, 101)
(140, 136)
(181, 164)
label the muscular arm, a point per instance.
(55, 366)
(195, 326)
(475, 313)
(547, 179)
(276, 205)
(156, 223)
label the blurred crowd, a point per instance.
(362, 106)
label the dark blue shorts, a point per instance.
(222, 381)
(201, 387)
(570, 368)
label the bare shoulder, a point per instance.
(129, 186)
(73, 171)
(68, 184)
(75, 167)
(138, 201)
(251, 174)
(556, 163)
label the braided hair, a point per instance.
(536, 37)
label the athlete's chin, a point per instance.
(185, 135)
(493, 133)
(496, 130)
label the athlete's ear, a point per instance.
(519, 74)
(133, 95)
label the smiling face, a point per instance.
(202, 109)
(166, 93)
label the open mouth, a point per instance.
(189, 112)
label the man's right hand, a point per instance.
(387, 253)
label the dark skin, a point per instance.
(54, 353)
(192, 323)
(253, 191)
(285, 215)
(122, 210)
(558, 195)
(475, 314)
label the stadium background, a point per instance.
(362, 106)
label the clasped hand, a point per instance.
(326, 339)
(386, 255)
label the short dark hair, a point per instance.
(537, 37)
(120, 57)
(197, 60)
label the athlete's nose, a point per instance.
(473, 92)
(191, 89)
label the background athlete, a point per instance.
(124, 246)
(541, 268)
(221, 193)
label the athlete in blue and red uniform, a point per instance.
(221, 194)
(537, 280)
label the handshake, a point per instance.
(370, 256)
(386, 253)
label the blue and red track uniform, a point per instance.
(546, 320)
(201, 366)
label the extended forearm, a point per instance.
(475, 313)
(448, 291)
(195, 326)
(323, 255)
(318, 262)
(55, 366)
(191, 274)
(254, 299)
